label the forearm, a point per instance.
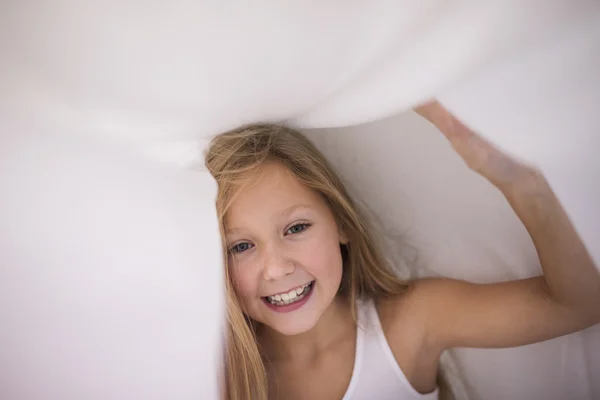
(570, 274)
(571, 277)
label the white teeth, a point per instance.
(289, 297)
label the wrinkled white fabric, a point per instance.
(110, 274)
(163, 77)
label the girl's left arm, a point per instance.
(564, 300)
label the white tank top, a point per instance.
(376, 374)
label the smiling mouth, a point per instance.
(291, 297)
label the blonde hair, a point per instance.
(232, 158)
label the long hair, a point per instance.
(232, 158)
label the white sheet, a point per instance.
(166, 75)
(109, 271)
(171, 72)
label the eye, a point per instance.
(298, 228)
(240, 248)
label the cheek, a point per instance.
(243, 281)
(325, 260)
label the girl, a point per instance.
(314, 311)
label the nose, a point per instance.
(276, 264)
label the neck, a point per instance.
(334, 324)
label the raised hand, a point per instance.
(502, 170)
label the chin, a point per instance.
(294, 328)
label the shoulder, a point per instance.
(411, 313)
(404, 320)
(411, 309)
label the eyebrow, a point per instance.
(285, 213)
(290, 210)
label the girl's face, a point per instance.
(284, 251)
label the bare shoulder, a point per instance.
(404, 323)
(406, 314)
(406, 320)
